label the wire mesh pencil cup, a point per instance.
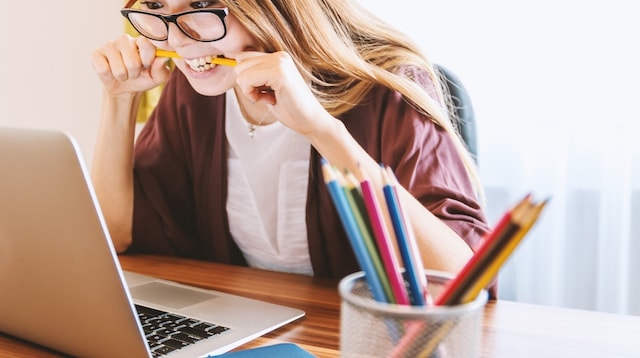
(374, 329)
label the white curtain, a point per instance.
(556, 91)
(585, 250)
(567, 127)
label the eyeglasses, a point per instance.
(204, 25)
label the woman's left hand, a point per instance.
(274, 79)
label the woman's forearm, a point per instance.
(440, 247)
(112, 166)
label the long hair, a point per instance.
(344, 50)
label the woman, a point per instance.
(228, 166)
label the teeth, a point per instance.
(200, 64)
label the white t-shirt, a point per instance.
(267, 196)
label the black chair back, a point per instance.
(462, 108)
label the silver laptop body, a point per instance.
(61, 285)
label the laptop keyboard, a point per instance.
(167, 332)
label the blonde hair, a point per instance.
(345, 50)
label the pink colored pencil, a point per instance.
(381, 234)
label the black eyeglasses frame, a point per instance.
(167, 19)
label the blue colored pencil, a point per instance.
(407, 246)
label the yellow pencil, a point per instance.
(216, 60)
(525, 221)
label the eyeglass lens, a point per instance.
(201, 26)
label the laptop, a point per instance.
(61, 284)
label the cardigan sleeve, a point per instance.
(423, 156)
(427, 163)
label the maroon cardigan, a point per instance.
(180, 178)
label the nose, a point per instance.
(175, 36)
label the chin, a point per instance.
(209, 87)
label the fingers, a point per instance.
(260, 75)
(146, 51)
(275, 79)
(119, 59)
(129, 64)
(160, 71)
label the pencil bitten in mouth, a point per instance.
(202, 64)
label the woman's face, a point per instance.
(206, 79)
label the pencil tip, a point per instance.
(544, 202)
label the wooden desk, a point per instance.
(510, 329)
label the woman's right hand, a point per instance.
(129, 65)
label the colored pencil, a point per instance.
(414, 269)
(354, 197)
(492, 243)
(215, 60)
(385, 245)
(524, 221)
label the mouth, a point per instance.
(202, 64)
